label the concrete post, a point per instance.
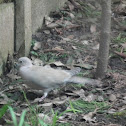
(6, 33)
(23, 34)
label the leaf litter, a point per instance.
(71, 39)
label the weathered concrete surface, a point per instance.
(27, 10)
(6, 32)
(23, 27)
(40, 8)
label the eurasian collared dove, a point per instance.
(46, 78)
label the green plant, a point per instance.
(89, 10)
(121, 113)
(86, 107)
(56, 116)
(14, 119)
(52, 57)
(120, 39)
(32, 42)
(3, 110)
(32, 116)
(34, 53)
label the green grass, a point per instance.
(14, 118)
(120, 39)
(89, 11)
(52, 57)
(3, 110)
(86, 107)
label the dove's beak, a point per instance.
(16, 65)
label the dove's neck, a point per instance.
(26, 66)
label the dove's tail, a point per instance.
(74, 71)
(83, 80)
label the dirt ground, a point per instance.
(71, 35)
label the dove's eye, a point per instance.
(20, 61)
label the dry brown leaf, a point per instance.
(74, 47)
(45, 118)
(86, 66)
(37, 45)
(71, 7)
(13, 76)
(91, 97)
(57, 63)
(96, 47)
(93, 28)
(59, 102)
(80, 93)
(123, 55)
(48, 20)
(46, 32)
(1, 81)
(38, 62)
(124, 45)
(85, 42)
(112, 97)
(70, 36)
(89, 117)
(52, 25)
(58, 48)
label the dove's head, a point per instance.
(24, 61)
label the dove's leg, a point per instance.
(43, 97)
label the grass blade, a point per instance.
(22, 118)
(13, 115)
(3, 110)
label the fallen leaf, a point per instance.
(45, 118)
(71, 7)
(48, 20)
(111, 111)
(91, 97)
(86, 66)
(74, 47)
(71, 15)
(46, 32)
(52, 25)
(100, 98)
(70, 36)
(123, 55)
(38, 62)
(67, 23)
(57, 48)
(66, 39)
(80, 93)
(85, 42)
(47, 105)
(1, 81)
(58, 63)
(89, 117)
(93, 28)
(59, 102)
(96, 47)
(112, 97)
(13, 76)
(37, 45)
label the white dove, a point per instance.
(47, 78)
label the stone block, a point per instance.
(40, 8)
(6, 32)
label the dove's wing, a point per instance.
(45, 77)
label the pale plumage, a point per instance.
(47, 78)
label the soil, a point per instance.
(77, 44)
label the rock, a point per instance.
(112, 97)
